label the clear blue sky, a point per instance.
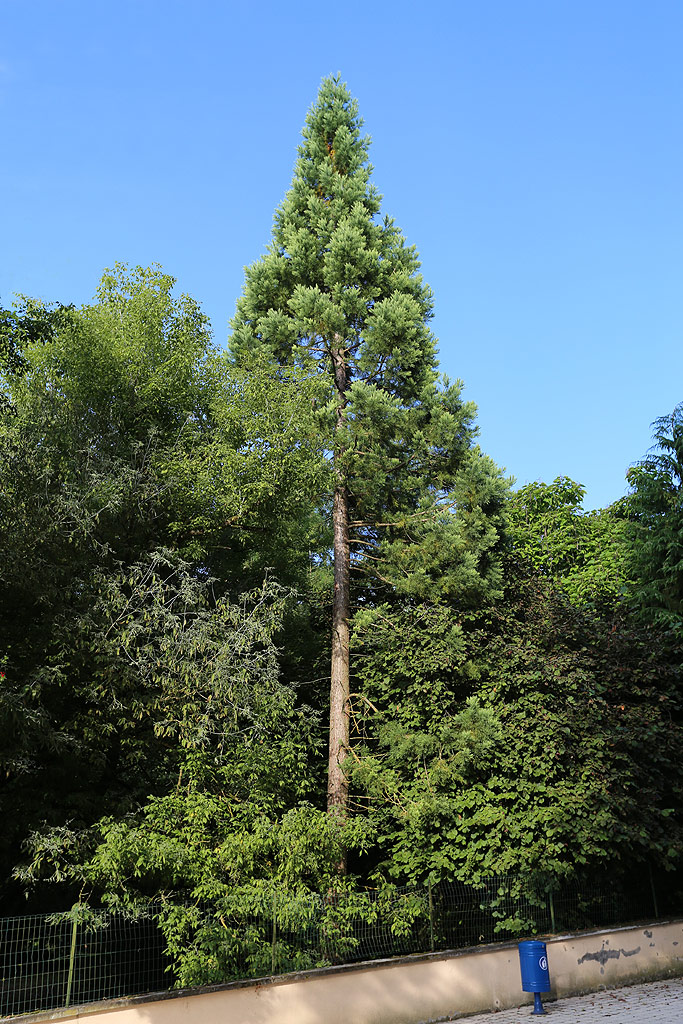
(531, 150)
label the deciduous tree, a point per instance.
(126, 443)
(583, 553)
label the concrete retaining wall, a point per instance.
(408, 990)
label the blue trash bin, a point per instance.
(533, 963)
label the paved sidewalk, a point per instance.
(660, 1002)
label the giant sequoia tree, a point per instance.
(339, 294)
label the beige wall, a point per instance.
(410, 991)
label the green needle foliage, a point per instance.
(339, 283)
(416, 507)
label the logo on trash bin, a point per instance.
(543, 963)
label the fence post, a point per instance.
(72, 957)
(551, 904)
(431, 918)
(274, 939)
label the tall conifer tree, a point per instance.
(415, 503)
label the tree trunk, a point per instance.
(337, 785)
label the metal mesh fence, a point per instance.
(50, 961)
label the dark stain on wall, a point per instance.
(603, 955)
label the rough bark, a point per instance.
(337, 784)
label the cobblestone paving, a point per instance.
(660, 1002)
